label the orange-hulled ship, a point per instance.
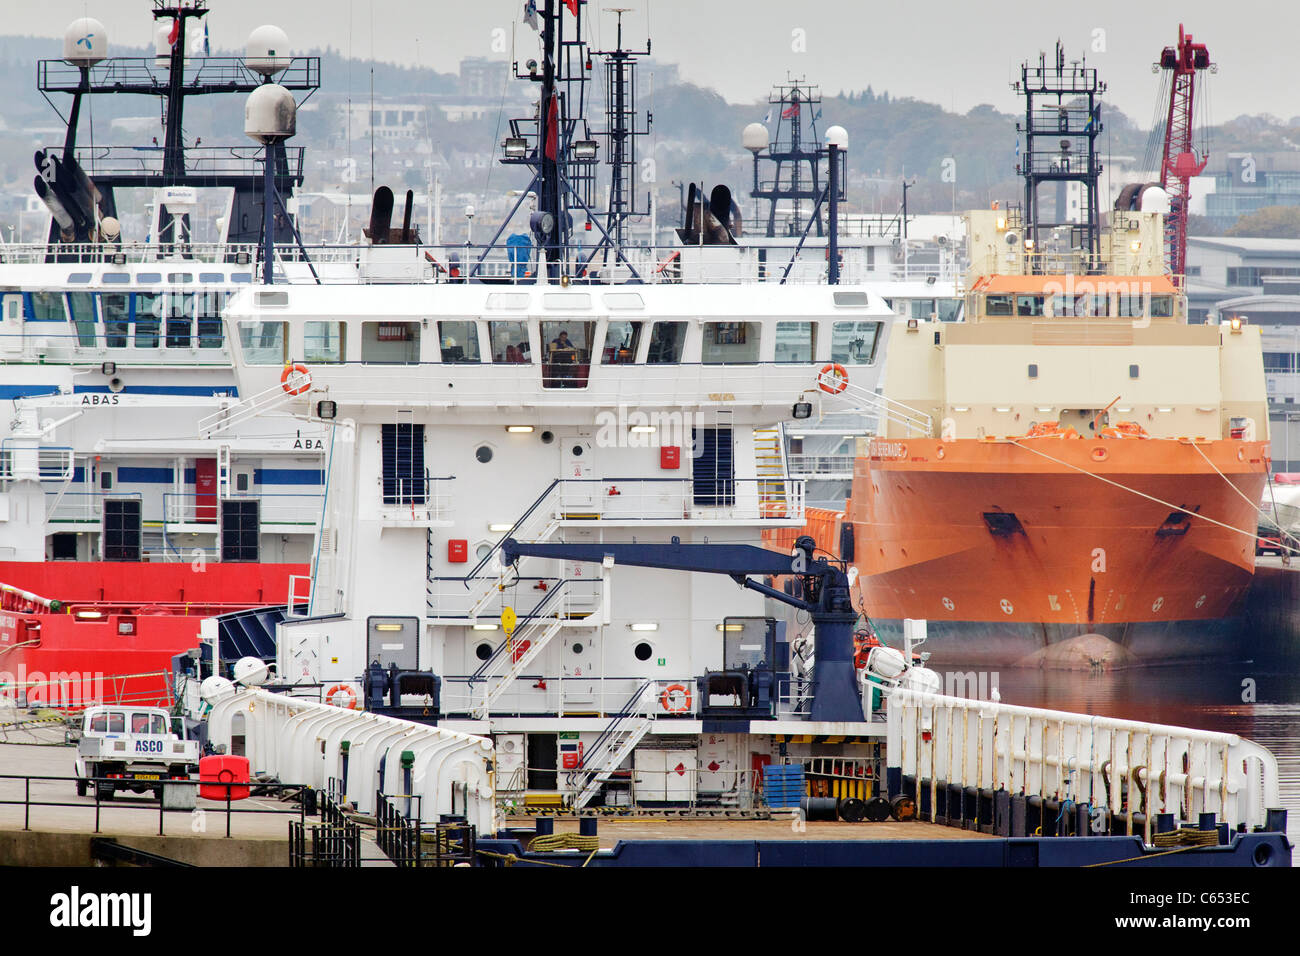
(1074, 459)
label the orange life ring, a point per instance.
(836, 371)
(1099, 454)
(296, 369)
(347, 691)
(665, 699)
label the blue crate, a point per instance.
(783, 786)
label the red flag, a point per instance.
(552, 127)
(176, 31)
(790, 112)
(572, 5)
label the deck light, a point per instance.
(801, 410)
(388, 627)
(516, 147)
(1043, 408)
(485, 627)
(327, 410)
(1164, 410)
(519, 429)
(584, 149)
(500, 528)
(1029, 245)
(90, 615)
(1002, 408)
(730, 628)
(643, 626)
(1235, 323)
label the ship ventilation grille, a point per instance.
(329, 540)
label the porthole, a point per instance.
(577, 451)
(643, 651)
(483, 651)
(577, 648)
(482, 551)
(483, 454)
(548, 437)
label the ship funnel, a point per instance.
(267, 50)
(85, 42)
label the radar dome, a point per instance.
(215, 688)
(270, 114)
(110, 228)
(838, 137)
(267, 50)
(251, 671)
(85, 42)
(1154, 199)
(755, 137)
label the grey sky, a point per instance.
(956, 53)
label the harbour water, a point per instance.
(1260, 702)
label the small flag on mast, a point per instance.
(175, 33)
(530, 14)
(572, 5)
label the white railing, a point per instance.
(1118, 765)
(822, 466)
(679, 499)
(913, 420)
(288, 509)
(271, 397)
(306, 742)
(414, 502)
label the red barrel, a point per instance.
(220, 769)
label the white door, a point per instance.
(648, 778)
(579, 493)
(679, 775)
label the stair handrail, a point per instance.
(520, 625)
(512, 533)
(629, 709)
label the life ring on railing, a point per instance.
(303, 373)
(666, 699)
(349, 696)
(838, 379)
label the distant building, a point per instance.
(389, 120)
(480, 76)
(1248, 182)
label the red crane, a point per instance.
(1181, 161)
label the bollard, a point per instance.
(545, 826)
(1275, 821)
(1165, 823)
(587, 826)
(1206, 822)
(1002, 813)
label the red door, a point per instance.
(756, 764)
(205, 488)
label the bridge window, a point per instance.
(459, 341)
(666, 341)
(46, 307)
(509, 343)
(390, 342)
(566, 351)
(180, 318)
(322, 342)
(116, 307)
(1029, 305)
(209, 318)
(1131, 306)
(82, 307)
(854, 343)
(796, 341)
(1162, 306)
(264, 343)
(998, 305)
(621, 341)
(730, 342)
(148, 319)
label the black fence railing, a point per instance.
(335, 842)
(408, 842)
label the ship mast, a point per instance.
(1061, 125)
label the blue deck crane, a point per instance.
(824, 595)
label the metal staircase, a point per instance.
(264, 401)
(615, 744)
(905, 416)
(530, 637)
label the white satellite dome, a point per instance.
(216, 688)
(838, 137)
(267, 50)
(755, 138)
(1154, 199)
(85, 42)
(270, 114)
(110, 228)
(251, 671)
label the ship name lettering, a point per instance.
(100, 399)
(313, 444)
